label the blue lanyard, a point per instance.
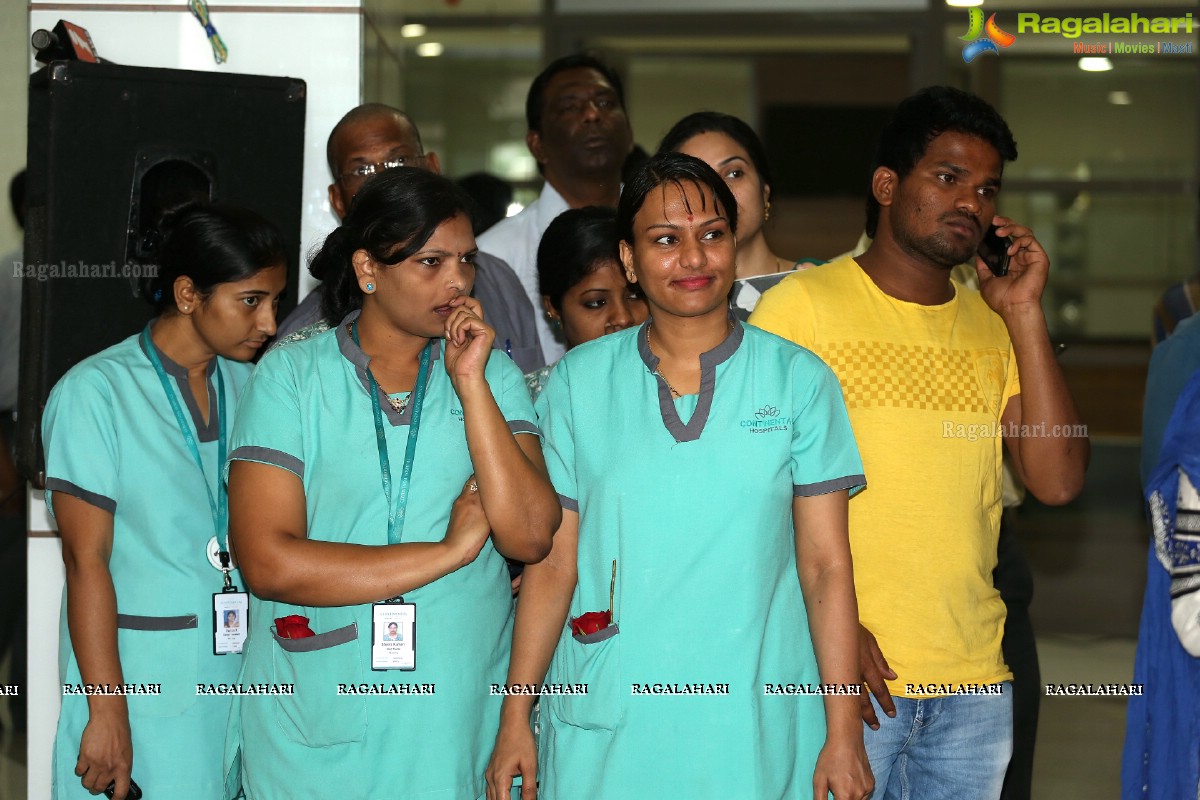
(396, 518)
(219, 504)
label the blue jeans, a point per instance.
(942, 748)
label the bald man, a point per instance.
(374, 137)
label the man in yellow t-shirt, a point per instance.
(930, 370)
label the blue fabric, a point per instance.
(1171, 364)
(1162, 736)
(942, 748)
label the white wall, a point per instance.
(14, 87)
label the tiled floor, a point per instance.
(1079, 738)
(12, 767)
(1089, 562)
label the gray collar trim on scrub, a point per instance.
(354, 354)
(205, 432)
(708, 382)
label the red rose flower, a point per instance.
(292, 626)
(590, 622)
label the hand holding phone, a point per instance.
(134, 793)
(994, 251)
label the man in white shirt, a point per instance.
(579, 135)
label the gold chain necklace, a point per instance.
(658, 370)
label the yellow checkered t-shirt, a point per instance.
(925, 387)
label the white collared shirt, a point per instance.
(516, 240)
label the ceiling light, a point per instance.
(1120, 98)
(1095, 64)
(430, 49)
(412, 30)
(963, 3)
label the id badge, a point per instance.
(231, 611)
(393, 636)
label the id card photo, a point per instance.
(230, 622)
(393, 636)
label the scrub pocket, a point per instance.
(162, 651)
(315, 715)
(594, 659)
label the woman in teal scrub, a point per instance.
(700, 584)
(134, 437)
(368, 465)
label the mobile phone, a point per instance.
(134, 793)
(994, 251)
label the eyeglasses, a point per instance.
(363, 171)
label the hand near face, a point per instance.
(1028, 268)
(468, 341)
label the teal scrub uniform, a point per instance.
(348, 731)
(112, 440)
(693, 499)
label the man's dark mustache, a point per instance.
(963, 215)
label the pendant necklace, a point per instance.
(397, 404)
(657, 370)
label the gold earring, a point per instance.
(767, 212)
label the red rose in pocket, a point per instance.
(292, 626)
(590, 622)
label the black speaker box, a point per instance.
(109, 147)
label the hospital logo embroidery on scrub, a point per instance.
(766, 419)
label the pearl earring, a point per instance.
(370, 288)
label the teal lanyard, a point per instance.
(219, 504)
(396, 517)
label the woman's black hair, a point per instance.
(392, 216)
(575, 244)
(211, 244)
(676, 169)
(716, 122)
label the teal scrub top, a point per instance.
(693, 499)
(112, 440)
(307, 410)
